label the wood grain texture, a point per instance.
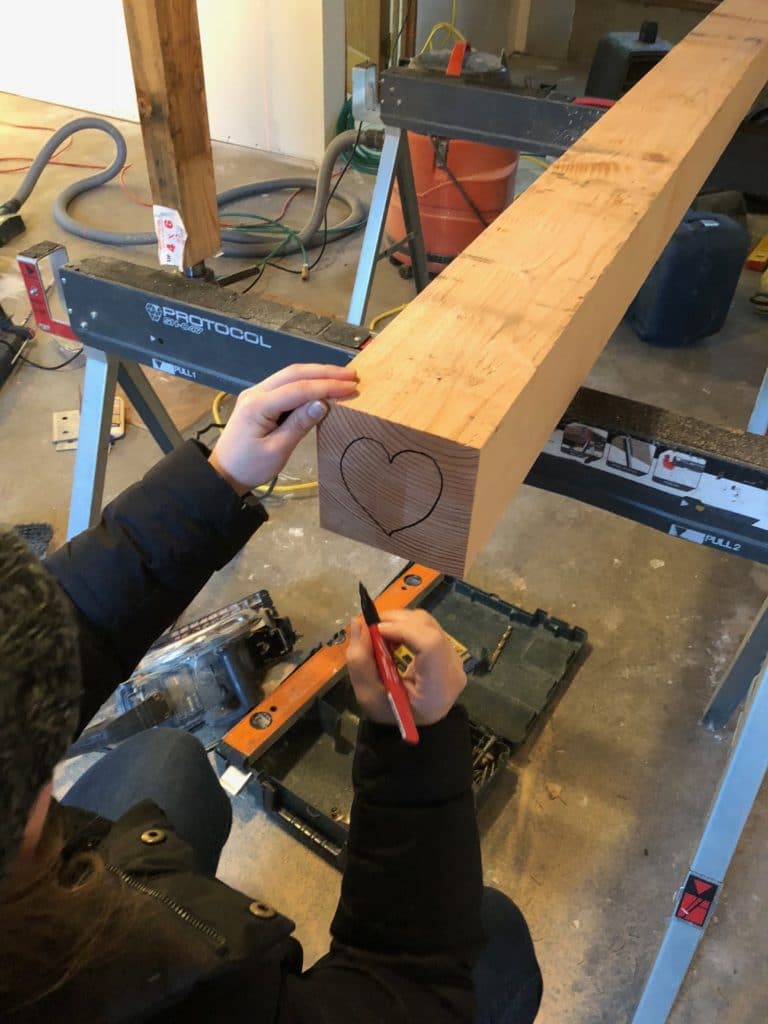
(167, 60)
(478, 369)
(363, 19)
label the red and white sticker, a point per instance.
(696, 900)
(171, 236)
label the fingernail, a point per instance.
(317, 410)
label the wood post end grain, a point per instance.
(395, 488)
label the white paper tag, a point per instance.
(171, 236)
(233, 780)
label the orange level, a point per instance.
(758, 258)
(265, 723)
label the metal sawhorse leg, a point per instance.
(736, 682)
(739, 785)
(758, 421)
(102, 373)
(395, 163)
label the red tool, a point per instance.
(456, 60)
(593, 101)
(758, 258)
(30, 261)
(390, 677)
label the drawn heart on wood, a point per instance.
(369, 473)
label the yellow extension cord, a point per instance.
(278, 488)
(443, 26)
(385, 314)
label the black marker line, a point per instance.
(391, 459)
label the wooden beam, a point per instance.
(408, 41)
(164, 39)
(459, 393)
(519, 20)
(364, 27)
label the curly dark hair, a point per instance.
(40, 684)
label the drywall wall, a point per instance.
(485, 24)
(274, 69)
(549, 28)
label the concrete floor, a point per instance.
(595, 870)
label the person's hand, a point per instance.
(434, 679)
(253, 447)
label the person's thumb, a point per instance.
(354, 630)
(300, 422)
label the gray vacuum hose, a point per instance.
(234, 242)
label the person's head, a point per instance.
(40, 692)
(57, 911)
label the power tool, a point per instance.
(13, 341)
(208, 672)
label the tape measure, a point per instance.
(758, 258)
(403, 656)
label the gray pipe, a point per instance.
(244, 244)
(45, 154)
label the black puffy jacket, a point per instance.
(407, 928)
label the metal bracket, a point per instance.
(365, 92)
(31, 262)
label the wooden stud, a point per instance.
(459, 393)
(408, 42)
(164, 39)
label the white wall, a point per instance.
(549, 28)
(274, 69)
(485, 23)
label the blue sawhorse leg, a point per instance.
(742, 778)
(102, 373)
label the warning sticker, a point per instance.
(710, 539)
(171, 236)
(696, 901)
(682, 531)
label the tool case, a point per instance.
(689, 291)
(298, 744)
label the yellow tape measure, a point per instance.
(403, 657)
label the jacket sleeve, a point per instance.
(407, 929)
(132, 574)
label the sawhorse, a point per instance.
(103, 373)
(395, 165)
(739, 786)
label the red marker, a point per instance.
(390, 677)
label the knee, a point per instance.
(177, 743)
(507, 975)
(507, 932)
(164, 754)
(164, 743)
(500, 914)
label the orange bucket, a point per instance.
(452, 218)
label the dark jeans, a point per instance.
(172, 769)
